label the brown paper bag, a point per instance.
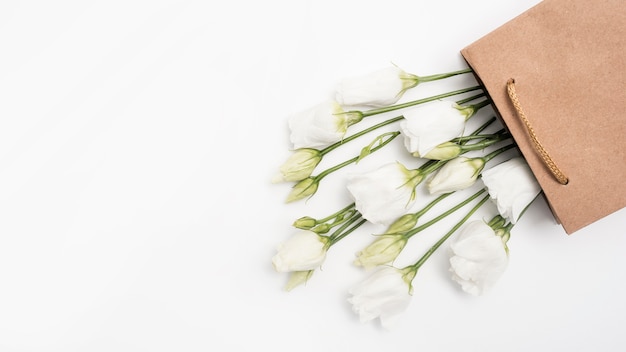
(568, 62)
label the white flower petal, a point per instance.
(305, 250)
(457, 174)
(478, 257)
(380, 88)
(318, 126)
(431, 124)
(381, 195)
(384, 294)
(512, 186)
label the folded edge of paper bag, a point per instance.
(568, 59)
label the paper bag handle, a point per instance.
(547, 160)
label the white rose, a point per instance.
(432, 124)
(385, 294)
(479, 257)
(384, 194)
(304, 251)
(319, 126)
(457, 174)
(512, 186)
(380, 88)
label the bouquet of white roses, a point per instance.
(450, 160)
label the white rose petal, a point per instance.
(479, 258)
(384, 194)
(512, 186)
(457, 174)
(430, 125)
(380, 88)
(319, 126)
(304, 251)
(384, 294)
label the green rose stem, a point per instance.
(346, 229)
(308, 186)
(497, 152)
(467, 100)
(427, 168)
(387, 248)
(433, 165)
(479, 129)
(345, 216)
(380, 140)
(408, 221)
(431, 222)
(500, 134)
(398, 118)
(324, 225)
(485, 141)
(411, 270)
(495, 137)
(430, 78)
(359, 134)
(425, 209)
(372, 112)
(481, 104)
(339, 215)
(392, 120)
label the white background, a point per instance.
(137, 144)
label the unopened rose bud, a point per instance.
(297, 278)
(403, 224)
(303, 189)
(383, 250)
(455, 175)
(305, 223)
(299, 165)
(444, 151)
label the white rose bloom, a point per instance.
(319, 126)
(479, 257)
(380, 88)
(457, 174)
(384, 194)
(385, 294)
(304, 251)
(512, 186)
(432, 124)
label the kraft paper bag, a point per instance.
(557, 77)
